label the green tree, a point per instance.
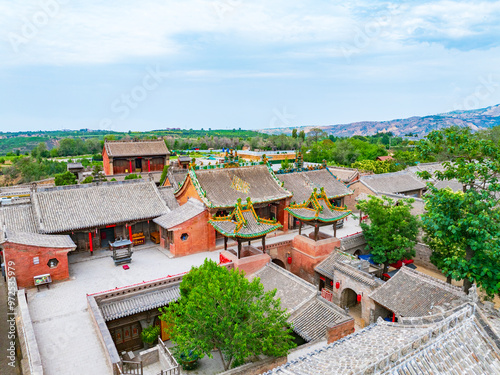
(302, 135)
(463, 228)
(164, 175)
(392, 231)
(294, 133)
(222, 309)
(66, 178)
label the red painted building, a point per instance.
(124, 157)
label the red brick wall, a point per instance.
(340, 330)
(201, 236)
(105, 162)
(188, 191)
(24, 268)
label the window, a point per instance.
(184, 236)
(52, 263)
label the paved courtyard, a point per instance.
(66, 337)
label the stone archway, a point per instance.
(279, 263)
(348, 298)
(357, 253)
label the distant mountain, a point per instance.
(475, 119)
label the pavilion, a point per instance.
(243, 224)
(318, 211)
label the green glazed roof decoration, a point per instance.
(314, 209)
(237, 218)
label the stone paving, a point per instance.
(65, 334)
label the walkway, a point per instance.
(63, 326)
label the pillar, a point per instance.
(316, 230)
(334, 229)
(239, 248)
(149, 165)
(264, 244)
(111, 170)
(130, 166)
(91, 244)
(130, 233)
(300, 227)
(225, 243)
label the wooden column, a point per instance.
(316, 230)
(249, 242)
(300, 227)
(334, 229)
(130, 165)
(225, 243)
(239, 248)
(264, 244)
(91, 244)
(149, 165)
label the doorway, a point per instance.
(107, 236)
(279, 263)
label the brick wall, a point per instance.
(25, 270)
(201, 236)
(340, 330)
(105, 163)
(358, 188)
(257, 367)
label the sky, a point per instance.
(150, 64)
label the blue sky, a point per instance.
(122, 65)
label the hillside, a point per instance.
(475, 119)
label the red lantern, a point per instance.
(331, 283)
(337, 285)
(289, 260)
(358, 298)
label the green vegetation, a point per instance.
(66, 178)
(27, 169)
(463, 228)
(150, 334)
(164, 174)
(224, 310)
(87, 180)
(132, 176)
(392, 232)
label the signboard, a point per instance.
(42, 279)
(326, 294)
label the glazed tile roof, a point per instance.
(310, 314)
(167, 193)
(41, 240)
(348, 265)
(454, 344)
(18, 218)
(222, 187)
(397, 182)
(243, 222)
(66, 209)
(318, 208)
(130, 305)
(190, 209)
(412, 293)
(302, 184)
(312, 319)
(136, 148)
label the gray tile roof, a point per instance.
(348, 265)
(456, 344)
(412, 293)
(346, 175)
(176, 177)
(397, 182)
(134, 304)
(136, 148)
(190, 209)
(62, 210)
(312, 319)
(302, 184)
(223, 186)
(18, 218)
(167, 193)
(41, 240)
(293, 291)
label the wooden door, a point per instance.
(127, 337)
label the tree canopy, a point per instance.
(463, 227)
(392, 231)
(222, 309)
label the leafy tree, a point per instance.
(316, 134)
(392, 231)
(66, 178)
(463, 228)
(88, 180)
(222, 309)
(164, 174)
(302, 135)
(132, 176)
(377, 166)
(294, 133)
(286, 164)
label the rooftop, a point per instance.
(397, 182)
(86, 206)
(302, 184)
(451, 344)
(190, 209)
(222, 187)
(40, 240)
(412, 293)
(154, 147)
